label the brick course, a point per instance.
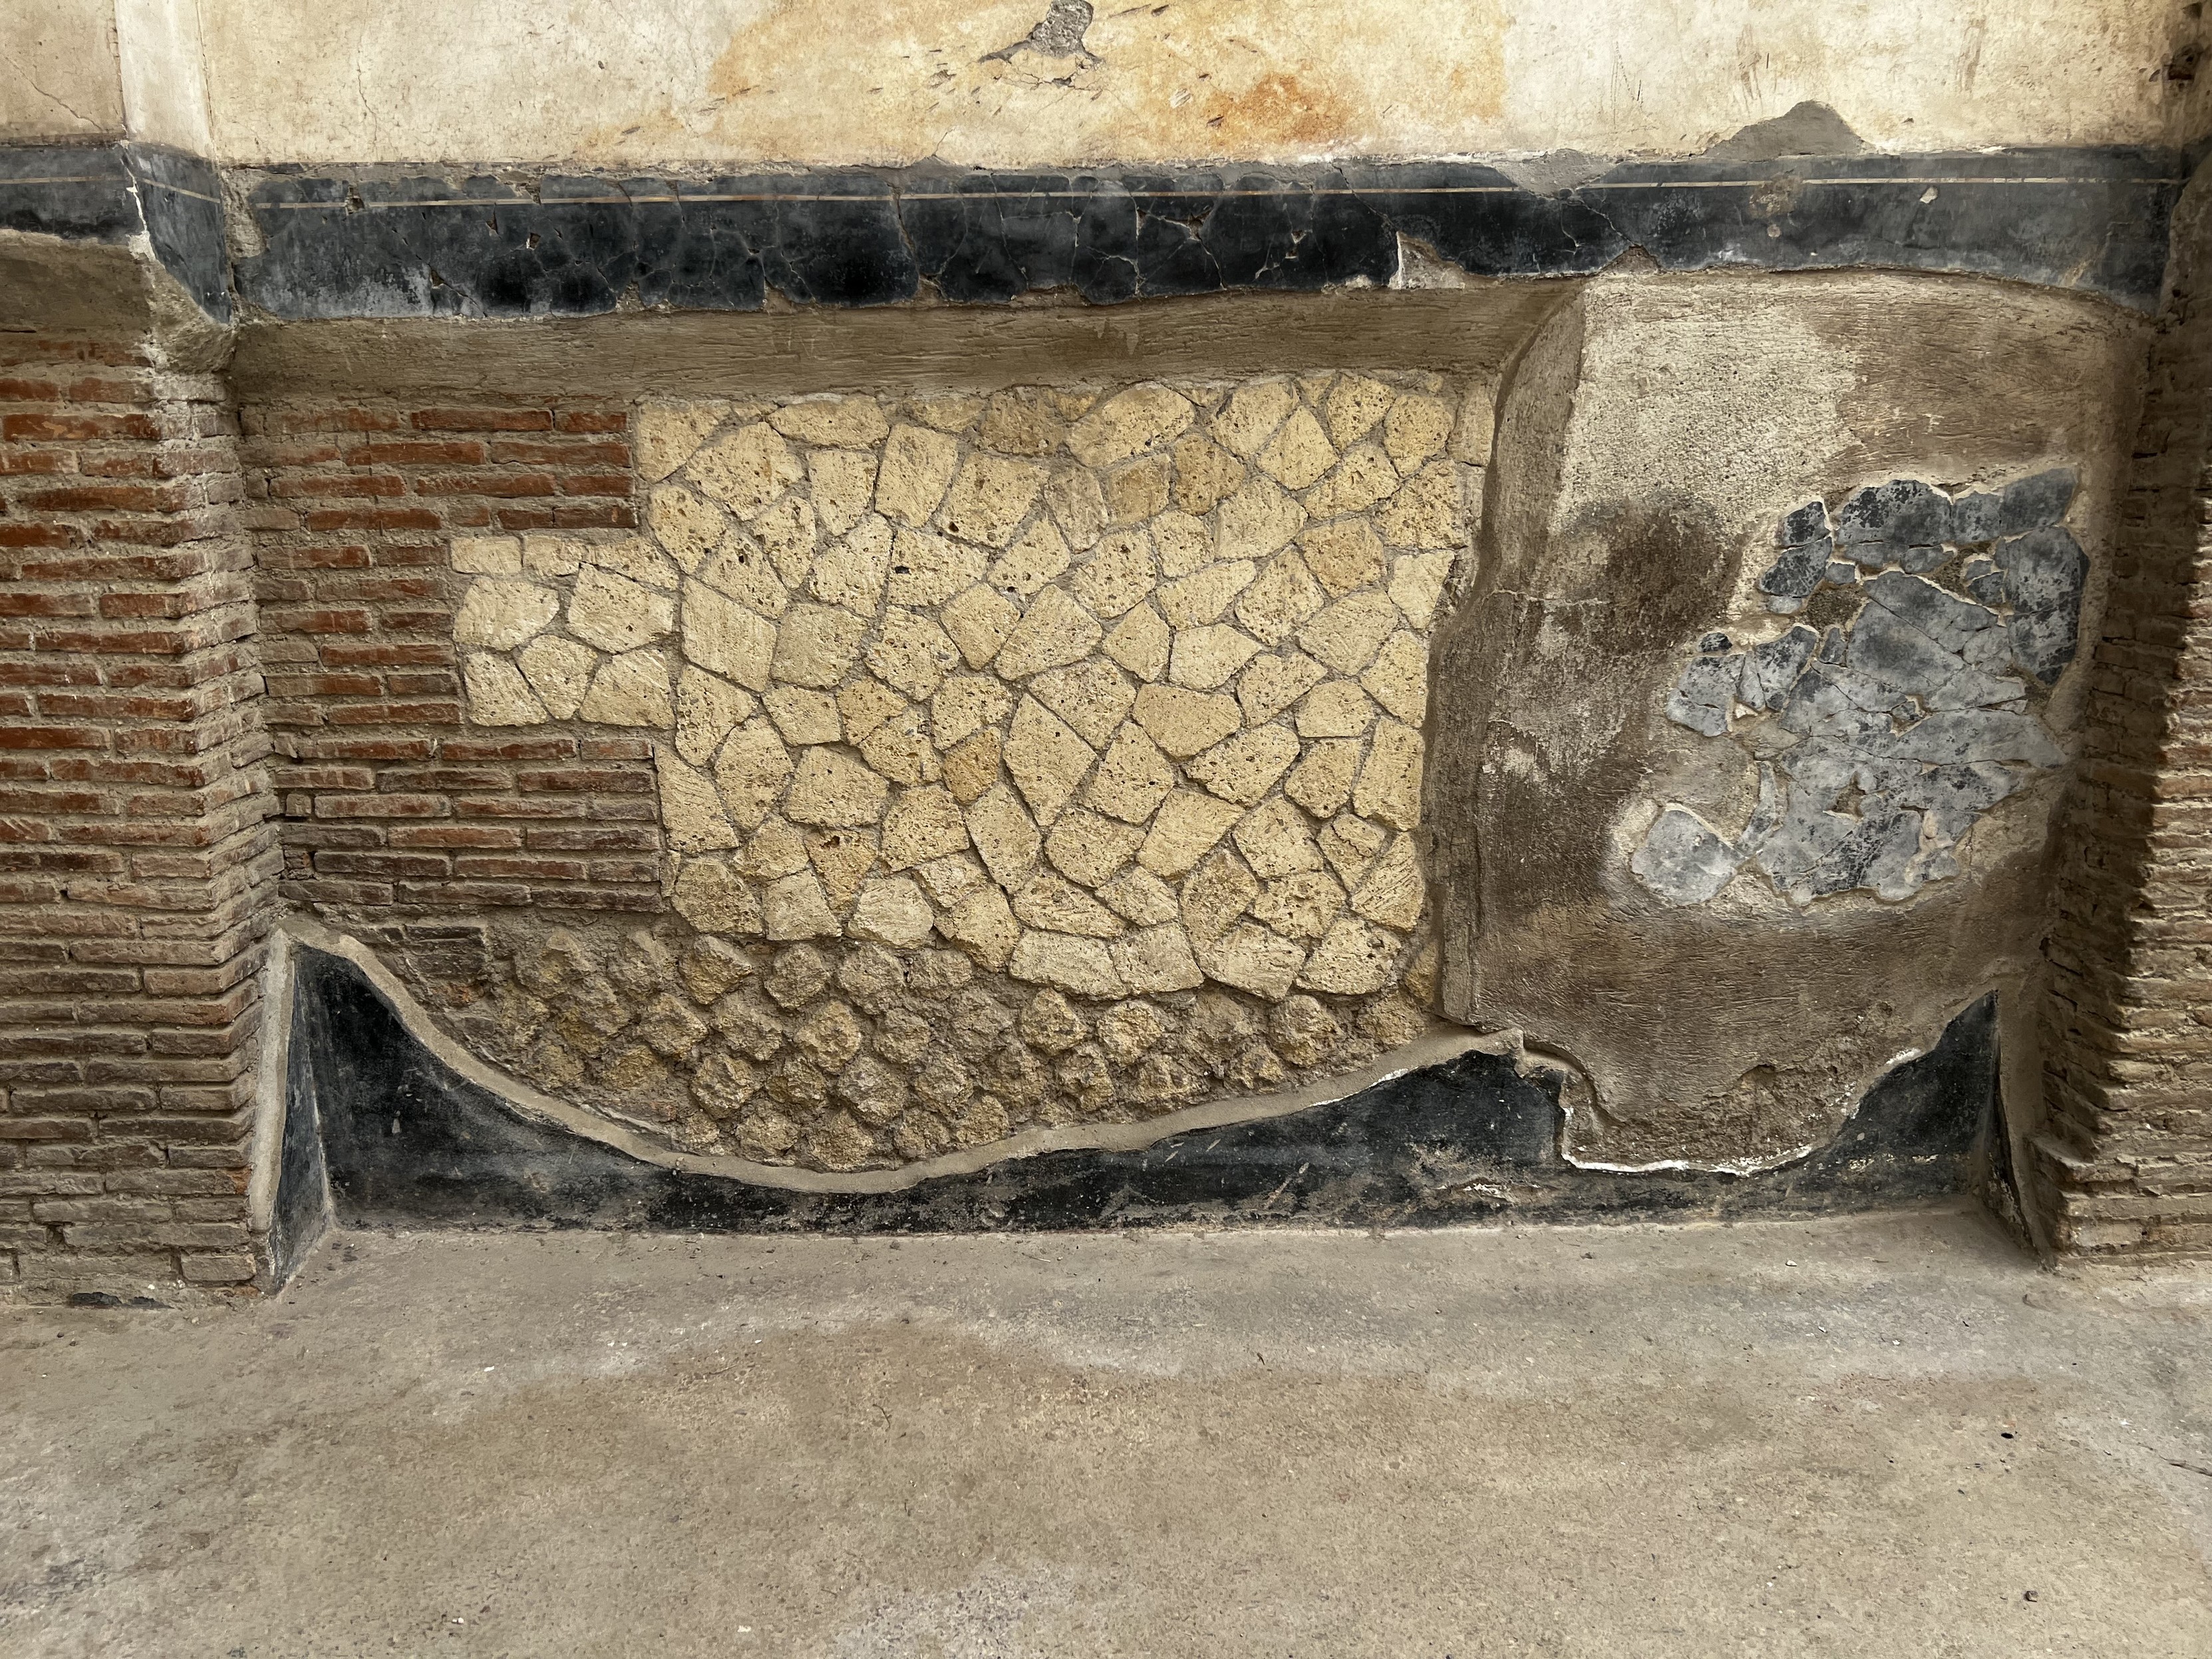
(2125, 1157)
(138, 865)
(400, 822)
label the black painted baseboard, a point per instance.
(408, 1142)
(400, 242)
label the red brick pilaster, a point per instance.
(137, 866)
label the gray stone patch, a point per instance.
(1683, 860)
(1700, 699)
(1769, 669)
(1807, 549)
(1904, 521)
(1883, 742)
(2041, 573)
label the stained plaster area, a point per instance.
(1884, 1435)
(1022, 83)
(1475, 329)
(1648, 443)
(104, 68)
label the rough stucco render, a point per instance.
(1013, 83)
(1646, 448)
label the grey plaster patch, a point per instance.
(1682, 858)
(1882, 742)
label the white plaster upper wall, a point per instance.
(164, 86)
(655, 81)
(57, 74)
(103, 68)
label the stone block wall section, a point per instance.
(397, 821)
(2125, 1157)
(137, 864)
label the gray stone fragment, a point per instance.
(1790, 580)
(2044, 571)
(1895, 732)
(1835, 703)
(1952, 797)
(1683, 860)
(1772, 668)
(1985, 581)
(1812, 854)
(1798, 846)
(1949, 621)
(2032, 502)
(1701, 697)
(1766, 814)
(1975, 518)
(1891, 650)
(1801, 525)
(1820, 771)
(1970, 734)
(1904, 511)
(1891, 840)
(2044, 642)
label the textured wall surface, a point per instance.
(1729, 1003)
(1051, 566)
(58, 77)
(1119, 696)
(1022, 83)
(2129, 1019)
(139, 866)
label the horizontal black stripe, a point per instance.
(115, 192)
(387, 243)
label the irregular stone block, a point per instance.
(502, 613)
(1683, 859)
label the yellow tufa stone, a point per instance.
(1107, 697)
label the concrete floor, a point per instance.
(1882, 1435)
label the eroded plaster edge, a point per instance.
(266, 1155)
(1444, 1043)
(1578, 1093)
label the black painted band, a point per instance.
(402, 1139)
(115, 192)
(383, 243)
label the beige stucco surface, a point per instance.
(658, 81)
(665, 82)
(1646, 444)
(57, 76)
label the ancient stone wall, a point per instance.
(1054, 582)
(1096, 714)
